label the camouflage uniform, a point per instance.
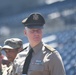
(11, 47)
(7, 70)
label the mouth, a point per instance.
(37, 38)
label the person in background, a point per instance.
(1, 57)
(11, 47)
(3, 61)
(45, 60)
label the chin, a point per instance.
(37, 41)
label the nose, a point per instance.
(7, 53)
(36, 33)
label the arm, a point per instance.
(57, 67)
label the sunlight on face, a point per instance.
(34, 35)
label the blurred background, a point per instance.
(59, 31)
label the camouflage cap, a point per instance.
(35, 20)
(12, 43)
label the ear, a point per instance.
(24, 32)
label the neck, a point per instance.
(33, 45)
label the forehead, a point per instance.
(33, 28)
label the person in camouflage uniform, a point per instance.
(11, 47)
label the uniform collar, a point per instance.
(38, 47)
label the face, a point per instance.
(34, 36)
(11, 54)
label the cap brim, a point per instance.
(7, 47)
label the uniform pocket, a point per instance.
(38, 69)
